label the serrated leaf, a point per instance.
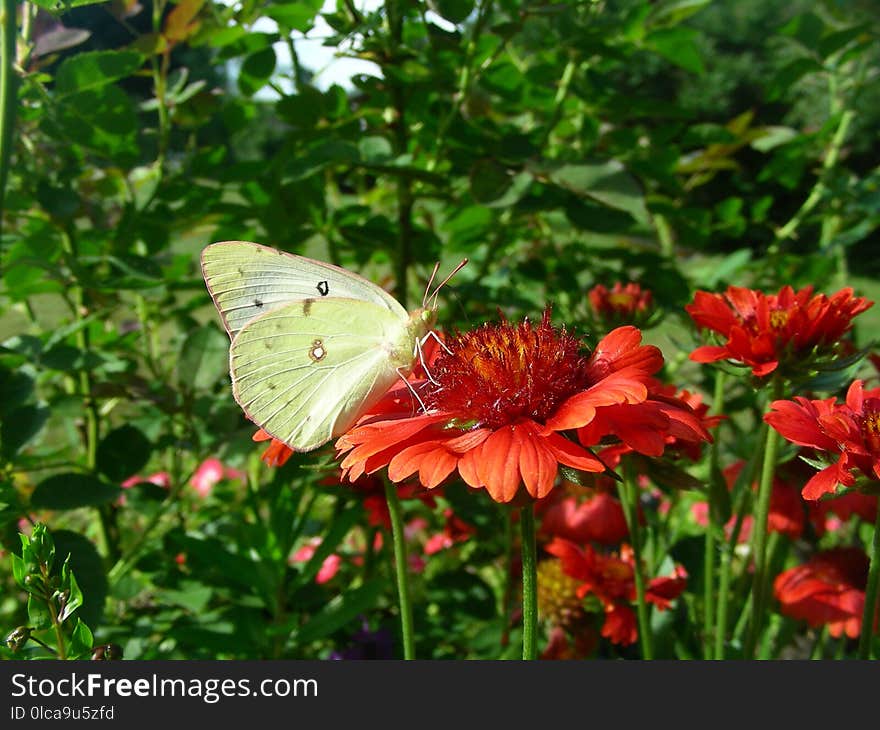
(93, 69)
(72, 490)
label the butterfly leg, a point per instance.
(411, 389)
(421, 355)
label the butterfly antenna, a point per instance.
(445, 281)
(430, 281)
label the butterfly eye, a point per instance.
(317, 353)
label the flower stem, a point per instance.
(399, 539)
(507, 590)
(762, 510)
(530, 582)
(630, 503)
(8, 91)
(870, 610)
(709, 552)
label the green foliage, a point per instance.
(683, 144)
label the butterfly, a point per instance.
(314, 346)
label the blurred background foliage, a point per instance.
(680, 143)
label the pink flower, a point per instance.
(210, 472)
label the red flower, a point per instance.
(598, 518)
(501, 395)
(828, 589)
(850, 430)
(455, 530)
(665, 420)
(611, 579)
(628, 304)
(277, 453)
(764, 330)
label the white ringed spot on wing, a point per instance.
(318, 351)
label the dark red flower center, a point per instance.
(499, 374)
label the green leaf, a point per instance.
(21, 426)
(339, 611)
(375, 149)
(673, 12)
(607, 183)
(455, 11)
(74, 594)
(204, 358)
(256, 71)
(38, 613)
(297, 15)
(94, 69)
(59, 6)
(123, 452)
(81, 641)
(190, 595)
(72, 490)
(103, 119)
(488, 180)
(678, 45)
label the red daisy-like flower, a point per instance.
(611, 579)
(667, 420)
(501, 394)
(766, 330)
(597, 518)
(621, 304)
(850, 430)
(828, 589)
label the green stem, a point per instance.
(630, 503)
(831, 155)
(507, 589)
(405, 199)
(8, 94)
(712, 528)
(399, 539)
(870, 611)
(726, 572)
(759, 544)
(559, 100)
(530, 582)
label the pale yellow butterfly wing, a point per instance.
(306, 371)
(247, 280)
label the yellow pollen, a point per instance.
(621, 300)
(779, 318)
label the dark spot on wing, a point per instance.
(307, 307)
(323, 288)
(258, 303)
(271, 386)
